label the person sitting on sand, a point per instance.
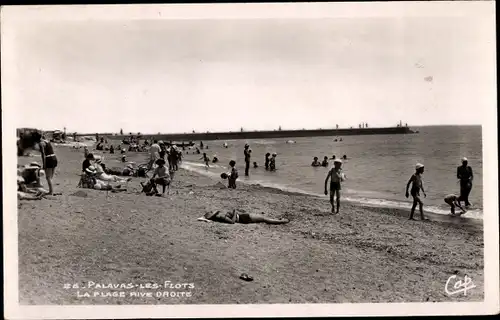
(233, 175)
(452, 200)
(272, 162)
(336, 176)
(206, 160)
(325, 162)
(417, 185)
(255, 165)
(161, 176)
(31, 174)
(245, 218)
(266, 163)
(86, 163)
(315, 162)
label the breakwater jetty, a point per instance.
(207, 136)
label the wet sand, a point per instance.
(360, 255)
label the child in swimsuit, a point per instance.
(417, 185)
(336, 177)
(233, 175)
(452, 200)
(272, 162)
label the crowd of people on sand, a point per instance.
(165, 157)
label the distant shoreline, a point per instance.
(207, 136)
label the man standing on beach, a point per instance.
(336, 176)
(247, 158)
(465, 176)
(154, 153)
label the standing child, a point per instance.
(336, 177)
(233, 175)
(417, 185)
(452, 200)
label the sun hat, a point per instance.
(337, 161)
(464, 159)
(211, 214)
(418, 166)
(90, 170)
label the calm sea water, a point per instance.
(378, 166)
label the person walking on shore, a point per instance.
(335, 176)
(465, 176)
(417, 185)
(247, 152)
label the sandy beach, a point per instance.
(360, 255)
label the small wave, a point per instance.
(199, 168)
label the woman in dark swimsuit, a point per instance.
(49, 158)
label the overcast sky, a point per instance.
(183, 75)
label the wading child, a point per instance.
(452, 200)
(336, 176)
(417, 185)
(206, 160)
(233, 175)
(266, 162)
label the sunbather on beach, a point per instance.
(453, 201)
(26, 193)
(245, 218)
(335, 176)
(103, 176)
(417, 185)
(89, 181)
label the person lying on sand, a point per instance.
(245, 218)
(452, 200)
(102, 175)
(25, 192)
(89, 181)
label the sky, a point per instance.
(180, 75)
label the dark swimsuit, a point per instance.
(50, 156)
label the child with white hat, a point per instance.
(417, 185)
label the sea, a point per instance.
(377, 167)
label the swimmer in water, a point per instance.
(315, 162)
(267, 160)
(344, 157)
(325, 162)
(333, 157)
(215, 159)
(255, 165)
(452, 200)
(417, 185)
